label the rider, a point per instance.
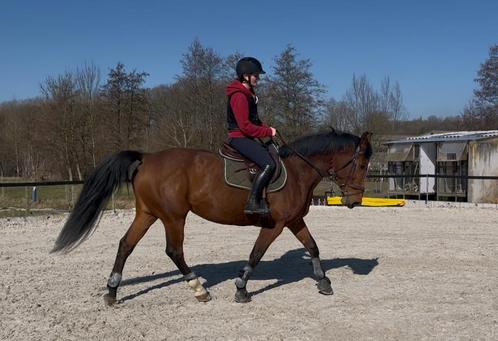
(244, 126)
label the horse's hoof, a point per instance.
(206, 297)
(326, 292)
(242, 296)
(109, 300)
(324, 287)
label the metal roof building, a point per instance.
(462, 153)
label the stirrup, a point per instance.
(261, 209)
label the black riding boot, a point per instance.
(255, 204)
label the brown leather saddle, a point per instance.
(240, 171)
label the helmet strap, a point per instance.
(248, 82)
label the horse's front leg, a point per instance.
(265, 238)
(300, 230)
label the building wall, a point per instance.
(483, 161)
(427, 166)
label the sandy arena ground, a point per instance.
(408, 273)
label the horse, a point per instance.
(171, 183)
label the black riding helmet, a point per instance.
(248, 66)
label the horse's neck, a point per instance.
(303, 175)
(342, 158)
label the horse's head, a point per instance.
(342, 156)
(349, 170)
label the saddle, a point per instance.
(240, 171)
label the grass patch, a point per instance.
(15, 212)
(18, 201)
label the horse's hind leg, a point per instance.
(300, 230)
(137, 230)
(174, 228)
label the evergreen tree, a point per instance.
(482, 112)
(488, 79)
(294, 96)
(203, 83)
(126, 107)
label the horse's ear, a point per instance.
(366, 137)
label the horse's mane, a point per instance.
(321, 143)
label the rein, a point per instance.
(304, 158)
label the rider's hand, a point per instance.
(273, 131)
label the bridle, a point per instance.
(332, 174)
(344, 186)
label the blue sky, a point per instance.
(432, 48)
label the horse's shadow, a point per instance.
(293, 266)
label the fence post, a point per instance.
(28, 201)
(67, 199)
(436, 184)
(72, 196)
(34, 194)
(2, 191)
(404, 187)
(426, 188)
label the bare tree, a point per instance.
(61, 122)
(363, 102)
(230, 63)
(5, 150)
(337, 115)
(391, 100)
(377, 111)
(173, 121)
(22, 144)
(11, 135)
(88, 83)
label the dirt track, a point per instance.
(398, 273)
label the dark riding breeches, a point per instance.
(253, 150)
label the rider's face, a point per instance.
(252, 79)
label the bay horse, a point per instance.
(169, 184)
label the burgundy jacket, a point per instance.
(242, 113)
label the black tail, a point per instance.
(97, 190)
